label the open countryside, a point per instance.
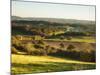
(37, 49)
(52, 43)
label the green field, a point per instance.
(22, 64)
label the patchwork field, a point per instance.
(39, 64)
(79, 45)
(40, 46)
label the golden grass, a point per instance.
(83, 39)
(25, 59)
(25, 64)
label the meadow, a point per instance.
(75, 39)
(42, 46)
(23, 64)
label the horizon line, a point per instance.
(52, 18)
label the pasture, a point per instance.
(88, 39)
(43, 46)
(23, 64)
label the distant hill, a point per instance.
(57, 20)
(16, 18)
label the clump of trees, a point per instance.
(41, 48)
(72, 53)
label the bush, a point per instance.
(61, 45)
(48, 49)
(15, 41)
(93, 56)
(36, 52)
(62, 37)
(70, 47)
(14, 50)
(29, 48)
(85, 56)
(41, 42)
(54, 50)
(38, 46)
(36, 49)
(69, 38)
(71, 53)
(39, 52)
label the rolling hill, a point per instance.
(56, 20)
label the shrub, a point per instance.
(54, 50)
(48, 49)
(36, 49)
(29, 48)
(39, 52)
(41, 42)
(62, 37)
(70, 47)
(44, 52)
(61, 45)
(14, 50)
(69, 38)
(85, 56)
(38, 46)
(36, 52)
(93, 56)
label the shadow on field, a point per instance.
(73, 55)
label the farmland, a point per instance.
(38, 64)
(43, 46)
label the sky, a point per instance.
(49, 10)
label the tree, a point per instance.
(41, 42)
(61, 45)
(70, 47)
(69, 38)
(29, 48)
(62, 37)
(48, 49)
(14, 50)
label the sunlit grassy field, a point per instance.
(83, 39)
(22, 64)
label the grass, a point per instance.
(22, 64)
(88, 40)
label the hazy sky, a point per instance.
(33, 9)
